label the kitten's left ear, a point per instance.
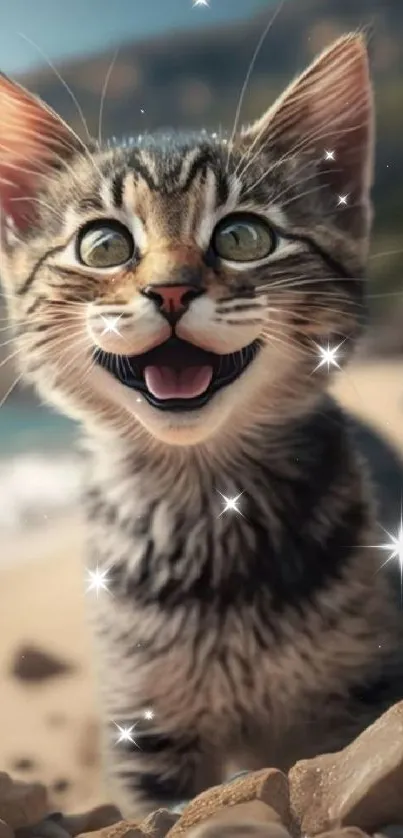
(34, 142)
(326, 117)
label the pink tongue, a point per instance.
(168, 383)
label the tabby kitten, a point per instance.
(171, 293)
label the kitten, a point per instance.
(171, 293)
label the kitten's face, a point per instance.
(183, 285)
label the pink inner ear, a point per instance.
(33, 140)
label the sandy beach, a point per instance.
(48, 729)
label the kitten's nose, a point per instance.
(172, 300)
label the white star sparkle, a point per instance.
(148, 714)
(201, 3)
(395, 550)
(111, 324)
(230, 504)
(328, 355)
(126, 734)
(342, 200)
(329, 155)
(97, 580)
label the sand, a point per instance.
(42, 602)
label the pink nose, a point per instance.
(172, 300)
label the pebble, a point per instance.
(268, 786)
(360, 786)
(22, 804)
(33, 664)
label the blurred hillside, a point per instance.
(193, 79)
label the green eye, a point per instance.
(243, 237)
(105, 244)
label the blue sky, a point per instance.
(76, 27)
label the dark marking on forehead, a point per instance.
(90, 202)
(170, 157)
(117, 189)
(139, 167)
(208, 161)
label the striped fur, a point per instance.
(255, 638)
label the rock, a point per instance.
(91, 821)
(159, 823)
(246, 819)
(23, 764)
(122, 829)
(48, 828)
(5, 830)
(269, 786)
(22, 804)
(393, 830)
(361, 786)
(244, 829)
(32, 664)
(254, 810)
(346, 832)
(61, 785)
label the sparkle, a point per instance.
(148, 714)
(328, 355)
(342, 200)
(97, 580)
(201, 3)
(111, 324)
(142, 110)
(126, 734)
(329, 155)
(230, 504)
(395, 549)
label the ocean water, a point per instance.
(40, 474)
(28, 427)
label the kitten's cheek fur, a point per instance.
(207, 330)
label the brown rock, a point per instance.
(48, 828)
(247, 819)
(254, 810)
(23, 764)
(122, 829)
(159, 823)
(269, 786)
(5, 783)
(22, 804)
(91, 821)
(346, 832)
(5, 830)
(244, 829)
(32, 664)
(361, 786)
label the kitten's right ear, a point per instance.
(33, 142)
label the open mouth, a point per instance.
(177, 375)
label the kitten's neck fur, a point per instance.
(265, 453)
(253, 435)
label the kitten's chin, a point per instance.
(223, 415)
(181, 428)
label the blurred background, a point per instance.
(179, 64)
